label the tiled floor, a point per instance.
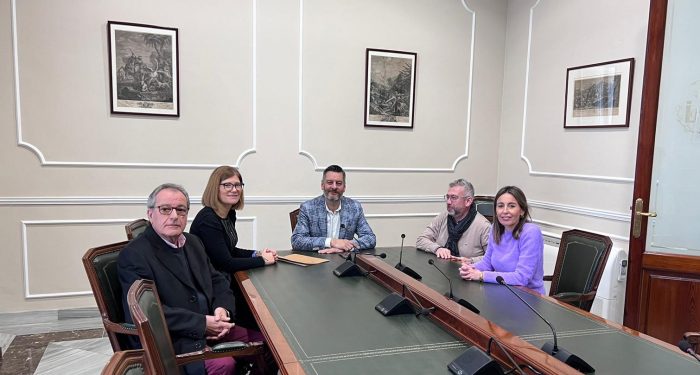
(53, 342)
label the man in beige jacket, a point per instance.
(461, 232)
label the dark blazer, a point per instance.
(310, 232)
(149, 257)
(207, 226)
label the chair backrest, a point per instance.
(128, 362)
(147, 314)
(135, 228)
(484, 205)
(580, 264)
(101, 267)
(293, 217)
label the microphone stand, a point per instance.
(685, 346)
(405, 269)
(552, 348)
(449, 295)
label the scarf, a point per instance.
(455, 230)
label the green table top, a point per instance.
(605, 347)
(332, 326)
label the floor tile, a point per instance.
(59, 359)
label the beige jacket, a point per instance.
(472, 245)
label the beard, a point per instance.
(451, 211)
(328, 196)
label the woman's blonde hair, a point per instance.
(210, 198)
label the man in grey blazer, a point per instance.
(329, 222)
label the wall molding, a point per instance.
(300, 119)
(64, 163)
(252, 219)
(272, 200)
(530, 166)
(585, 211)
(25, 248)
(566, 227)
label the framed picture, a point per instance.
(143, 69)
(390, 85)
(599, 95)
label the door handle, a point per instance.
(637, 219)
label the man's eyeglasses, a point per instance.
(452, 198)
(166, 210)
(229, 186)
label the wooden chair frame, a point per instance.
(293, 218)
(123, 362)
(161, 362)
(487, 199)
(134, 228)
(109, 314)
(585, 299)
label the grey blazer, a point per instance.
(310, 232)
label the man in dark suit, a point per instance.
(329, 222)
(197, 302)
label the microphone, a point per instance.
(449, 294)
(685, 346)
(552, 348)
(405, 269)
(350, 267)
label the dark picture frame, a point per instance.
(143, 69)
(599, 95)
(390, 86)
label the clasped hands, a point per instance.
(269, 256)
(469, 272)
(219, 324)
(339, 245)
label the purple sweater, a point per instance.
(519, 262)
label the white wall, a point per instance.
(276, 88)
(573, 177)
(273, 87)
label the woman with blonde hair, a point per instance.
(215, 225)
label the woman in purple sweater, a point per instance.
(516, 247)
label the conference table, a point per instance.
(317, 323)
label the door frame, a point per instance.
(645, 156)
(662, 288)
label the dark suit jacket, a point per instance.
(310, 232)
(149, 257)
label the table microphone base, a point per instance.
(348, 269)
(570, 359)
(474, 362)
(408, 271)
(394, 304)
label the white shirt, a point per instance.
(332, 224)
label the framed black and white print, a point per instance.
(599, 95)
(143, 67)
(390, 83)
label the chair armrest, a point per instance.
(549, 278)
(229, 346)
(224, 349)
(124, 328)
(574, 296)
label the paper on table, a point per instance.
(301, 260)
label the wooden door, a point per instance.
(663, 285)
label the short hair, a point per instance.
(151, 202)
(210, 197)
(333, 168)
(468, 187)
(519, 196)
